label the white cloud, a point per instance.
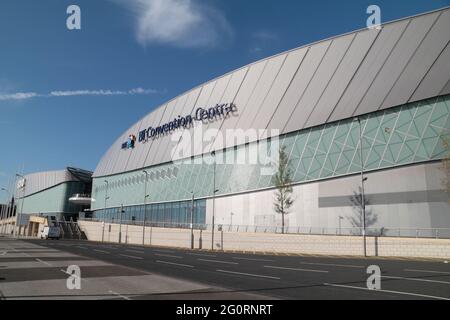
(18, 96)
(180, 23)
(71, 93)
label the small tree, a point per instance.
(446, 167)
(283, 181)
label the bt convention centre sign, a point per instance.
(201, 114)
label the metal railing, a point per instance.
(435, 233)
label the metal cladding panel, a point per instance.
(39, 181)
(276, 93)
(421, 62)
(116, 151)
(260, 93)
(446, 89)
(181, 109)
(101, 166)
(243, 96)
(193, 97)
(155, 147)
(174, 108)
(343, 76)
(299, 84)
(318, 84)
(396, 63)
(237, 78)
(142, 149)
(368, 70)
(124, 154)
(436, 79)
(215, 98)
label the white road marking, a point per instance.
(46, 263)
(426, 271)
(163, 251)
(132, 257)
(101, 251)
(82, 248)
(168, 256)
(333, 265)
(3, 253)
(202, 255)
(415, 279)
(175, 264)
(217, 261)
(297, 269)
(249, 274)
(249, 259)
(387, 291)
(135, 251)
(119, 295)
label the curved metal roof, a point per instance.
(39, 181)
(338, 78)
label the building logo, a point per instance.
(129, 144)
(220, 111)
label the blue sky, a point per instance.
(65, 95)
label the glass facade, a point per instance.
(176, 214)
(408, 134)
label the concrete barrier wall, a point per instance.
(270, 243)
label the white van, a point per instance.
(50, 233)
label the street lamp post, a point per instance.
(19, 216)
(192, 221)
(145, 208)
(104, 217)
(363, 200)
(5, 211)
(214, 199)
(120, 224)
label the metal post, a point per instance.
(192, 222)
(363, 200)
(120, 224)
(19, 216)
(104, 217)
(145, 208)
(214, 200)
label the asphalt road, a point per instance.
(112, 271)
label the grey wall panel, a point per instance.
(446, 89)
(215, 98)
(368, 70)
(319, 82)
(279, 88)
(229, 96)
(181, 109)
(421, 62)
(245, 92)
(117, 150)
(436, 79)
(174, 109)
(396, 62)
(155, 147)
(260, 93)
(39, 181)
(124, 154)
(153, 120)
(341, 79)
(134, 161)
(299, 84)
(189, 107)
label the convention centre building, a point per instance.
(366, 111)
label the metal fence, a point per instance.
(435, 233)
